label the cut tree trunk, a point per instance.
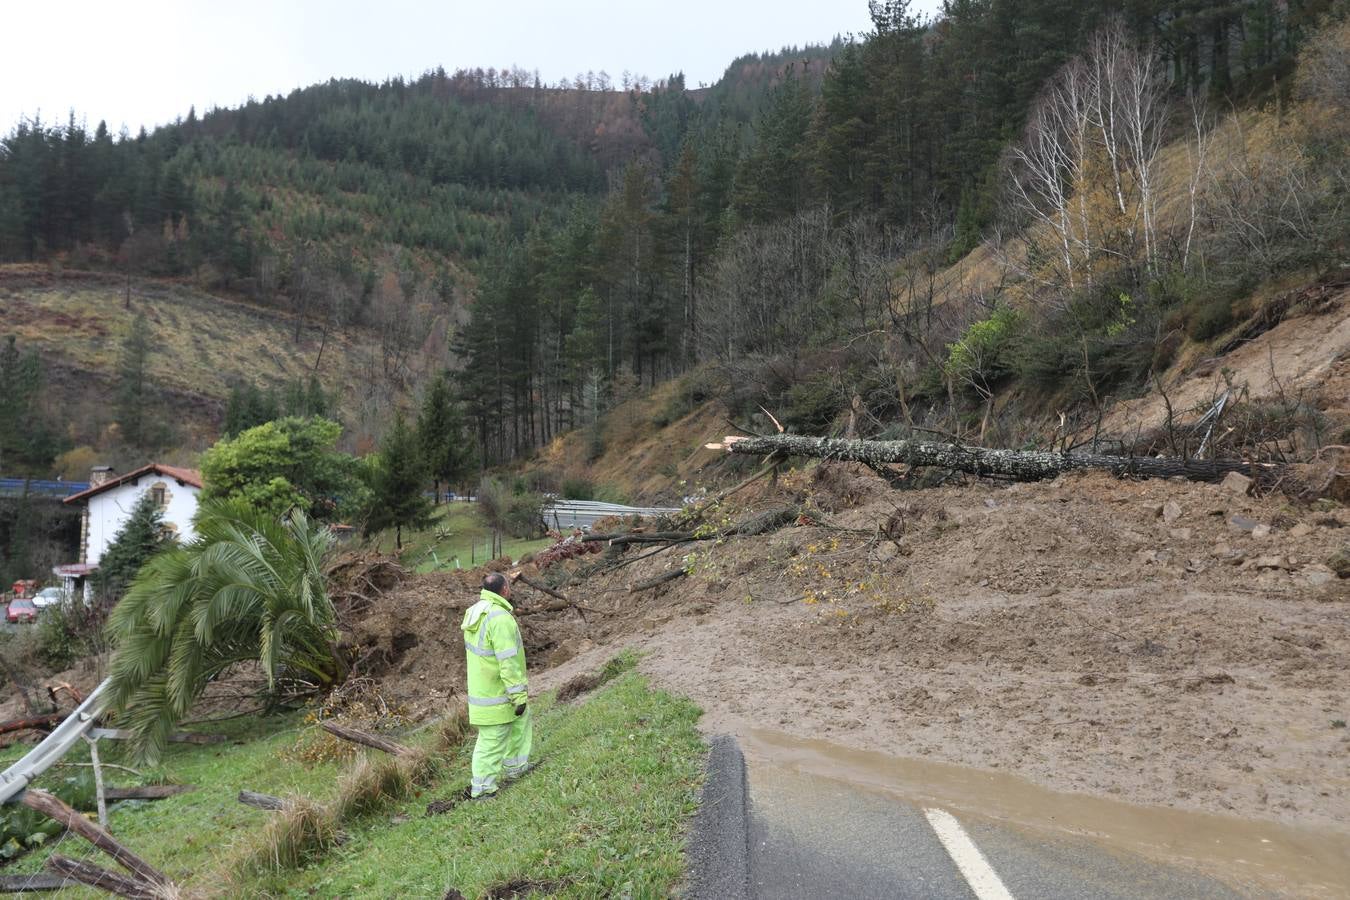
(54, 808)
(1015, 464)
(103, 879)
(367, 740)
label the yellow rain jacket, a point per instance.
(495, 661)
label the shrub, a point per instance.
(983, 355)
(518, 514)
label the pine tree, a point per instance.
(398, 501)
(440, 436)
(133, 390)
(141, 537)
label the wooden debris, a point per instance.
(25, 884)
(367, 740)
(105, 880)
(56, 809)
(46, 723)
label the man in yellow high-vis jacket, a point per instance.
(498, 700)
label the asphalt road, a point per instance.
(766, 832)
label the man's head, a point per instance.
(498, 583)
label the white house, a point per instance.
(108, 503)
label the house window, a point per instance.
(159, 494)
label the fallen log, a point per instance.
(1015, 464)
(659, 580)
(367, 740)
(56, 809)
(148, 791)
(47, 722)
(261, 801)
(25, 884)
(103, 879)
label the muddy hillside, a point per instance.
(1162, 642)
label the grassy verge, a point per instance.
(456, 534)
(604, 815)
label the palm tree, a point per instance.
(249, 587)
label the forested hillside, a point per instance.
(804, 255)
(791, 222)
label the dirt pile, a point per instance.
(1163, 642)
(406, 634)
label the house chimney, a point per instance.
(100, 475)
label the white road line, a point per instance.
(981, 877)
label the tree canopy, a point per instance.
(290, 463)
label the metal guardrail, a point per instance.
(562, 514)
(15, 779)
(34, 487)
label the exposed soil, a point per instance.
(1305, 355)
(1145, 640)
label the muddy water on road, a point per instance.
(1248, 854)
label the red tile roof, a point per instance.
(182, 476)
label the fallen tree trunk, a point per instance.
(1015, 464)
(367, 740)
(98, 877)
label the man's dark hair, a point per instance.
(494, 581)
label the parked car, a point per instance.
(21, 610)
(48, 596)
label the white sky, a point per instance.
(144, 62)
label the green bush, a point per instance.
(519, 514)
(983, 355)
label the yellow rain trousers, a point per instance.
(495, 661)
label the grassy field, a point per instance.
(456, 534)
(603, 816)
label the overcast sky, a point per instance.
(144, 62)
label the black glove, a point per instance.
(520, 710)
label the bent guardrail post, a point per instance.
(15, 779)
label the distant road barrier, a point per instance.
(33, 487)
(567, 514)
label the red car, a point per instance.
(21, 610)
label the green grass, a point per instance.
(457, 533)
(194, 832)
(604, 815)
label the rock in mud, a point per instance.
(1236, 483)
